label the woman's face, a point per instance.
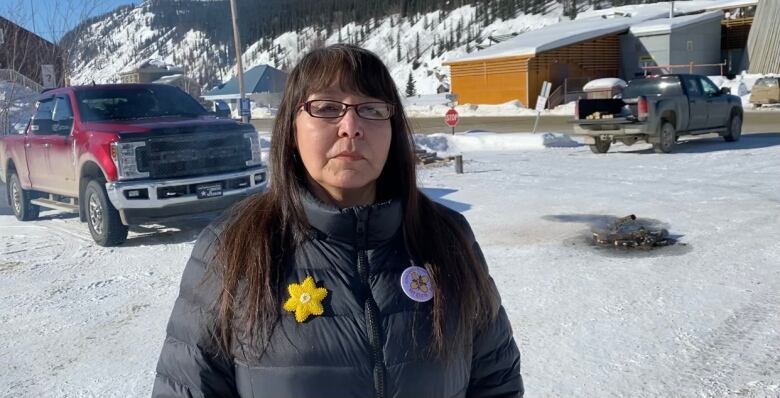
(343, 155)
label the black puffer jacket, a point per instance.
(361, 346)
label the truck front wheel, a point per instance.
(600, 145)
(667, 139)
(19, 200)
(734, 131)
(103, 219)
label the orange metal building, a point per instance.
(502, 79)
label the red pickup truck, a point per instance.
(125, 154)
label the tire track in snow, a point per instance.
(744, 342)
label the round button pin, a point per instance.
(416, 284)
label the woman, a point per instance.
(343, 280)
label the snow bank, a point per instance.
(263, 112)
(448, 145)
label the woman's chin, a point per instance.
(350, 179)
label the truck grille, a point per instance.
(193, 154)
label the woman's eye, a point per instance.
(328, 108)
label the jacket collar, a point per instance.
(363, 226)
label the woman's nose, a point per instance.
(351, 125)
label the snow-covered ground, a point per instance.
(701, 318)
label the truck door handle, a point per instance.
(27, 145)
(46, 145)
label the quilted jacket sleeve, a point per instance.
(187, 367)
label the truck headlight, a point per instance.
(254, 142)
(123, 155)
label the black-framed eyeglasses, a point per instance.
(327, 109)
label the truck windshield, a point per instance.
(121, 103)
(653, 86)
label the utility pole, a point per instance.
(239, 66)
(671, 9)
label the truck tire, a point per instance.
(19, 200)
(734, 129)
(668, 137)
(601, 146)
(103, 219)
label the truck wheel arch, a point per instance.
(10, 166)
(669, 116)
(89, 171)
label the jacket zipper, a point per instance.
(371, 310)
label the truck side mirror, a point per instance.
(725, 90)
(222, 113)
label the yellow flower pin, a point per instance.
(305, 299)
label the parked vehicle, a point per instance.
(120, 155)
(765, 91)
(658, 110)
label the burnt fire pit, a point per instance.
(628, 232)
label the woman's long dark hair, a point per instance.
(264, 229)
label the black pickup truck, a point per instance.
(658, 110)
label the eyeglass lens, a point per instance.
(334, 109)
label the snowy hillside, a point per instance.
(127, 37)
(415, 45)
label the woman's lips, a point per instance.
(349, 156)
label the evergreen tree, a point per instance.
(411, 91)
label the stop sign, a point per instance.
(451, 117)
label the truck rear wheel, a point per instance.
(601, 146)
(103, 219)
(19, 200)
(668, 137)
(734, 131)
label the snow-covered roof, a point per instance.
(666, 25)
(732, 4)
(560, 35)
